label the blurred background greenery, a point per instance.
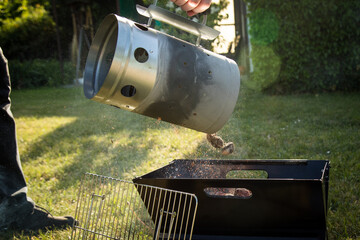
(281, 47)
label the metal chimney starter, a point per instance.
(142, 70)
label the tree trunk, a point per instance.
(58, 39)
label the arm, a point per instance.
(193, 7)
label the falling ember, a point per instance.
(215, 141)
(228, 148)
(218, 142)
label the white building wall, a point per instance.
(227, 29)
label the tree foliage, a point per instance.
(26, 31)
(40, 72)
(317, 43)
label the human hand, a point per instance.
(193, 7)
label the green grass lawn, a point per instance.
(62, 135)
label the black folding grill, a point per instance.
(287, 199)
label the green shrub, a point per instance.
(317, 43)
(39, 72)
(29, 34)
(269, 63)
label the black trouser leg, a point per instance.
(13, 199)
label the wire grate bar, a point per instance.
(97, 233)
(109, 208)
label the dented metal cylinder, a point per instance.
(140, 69)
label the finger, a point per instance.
(179, 2)
(202, 6)
(191, 13)
(190, 5)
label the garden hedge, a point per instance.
(28, 36)
(40, 72)
(305, 46)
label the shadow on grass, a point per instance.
(102, 139)
(41, 234)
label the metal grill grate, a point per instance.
(109, 208)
